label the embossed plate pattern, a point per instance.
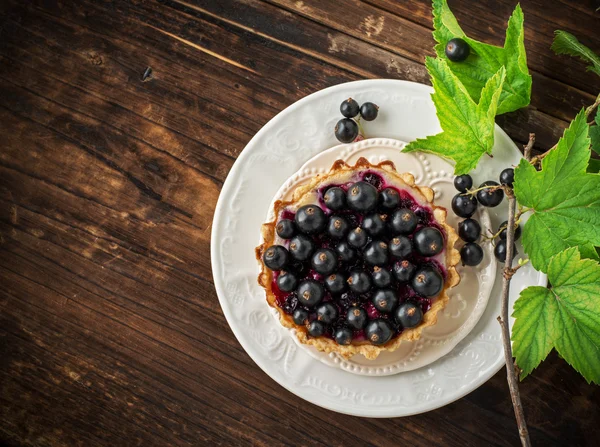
(275, 153)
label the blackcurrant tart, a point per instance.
(359, 260)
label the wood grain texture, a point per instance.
(110, 329)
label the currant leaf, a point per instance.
(468, 127)
(567, 43)
(566, 317)
(485, 60)
(565, 200)
(595, 133)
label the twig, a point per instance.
(529, 146)
(591, 108)
(511, 367)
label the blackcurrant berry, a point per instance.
(357, 238)
(409, 315)
(337, 227)
(464, 205)
(502, 229)
(287, 282)
(300, 317)
(349, 108)
(335, 198)
(471, 254)
(356, 318)
(315, 328)
(311, 219)
(390, 199)
(463, 182)
(501, 249)
(276, 257)
(400, 247)
(343, 336)
(369, 111)
(346, 130)
(301, 247)
(327, 313)
(428, 241)
(507, 177)
(404, 270)
(335, 283)
(376, 253)
(362, 197)
(345, 252)
(310, 292)
(379, 332)
(359, 281)
(469, 230)
(404, 221)
(457, 50)
(373, 224)
(385, 300)
(382, 277)
(286, 228)
(324, 261)
(489, 196)
(428, 281)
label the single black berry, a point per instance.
(463, 182)
(471, 254)
(346, 130)
(390, 199)
(507, 177)
(359, 281)
(300, 317)
(408, 315)
(343, 336)
(335, 198)
(357, 238)
(376, 253)
(356, 317)
(362, 197)
(286, 228)
(310, 293)
(428, 281)
(276, 257)
(345, 252)
(428, 241)
(469, 230)
(349, 108)
(382, 277)
(464, 205)
(404, 270)
(315, 328)
(373, 224)
(301, 247)
(369, 111)
(324, 261)
(337, 227)
(379, 332)
(287, 282)
(311, 219)
(457, 50)
(385, 300)
(400, 247)
(327, 313)
(404, 221)
(490, 196)
(502, 229)
(501, 249)
(335, 283)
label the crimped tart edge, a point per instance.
(324, 344)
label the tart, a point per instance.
(359, 260)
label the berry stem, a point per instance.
(361, 131)
(511, 367)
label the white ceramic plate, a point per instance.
(467, 301)
(275, 153)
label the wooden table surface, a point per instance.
(111, 333)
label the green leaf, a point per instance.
(468, 128)
(595, 134)
(566, 43)
(485, 60)
(566, 317)
(594, 166)
(565, 200)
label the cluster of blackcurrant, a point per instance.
(464, 204)
(347, 129)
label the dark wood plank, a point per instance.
(110, 328)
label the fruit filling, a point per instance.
(363, 264)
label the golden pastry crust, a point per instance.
(306, 194)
